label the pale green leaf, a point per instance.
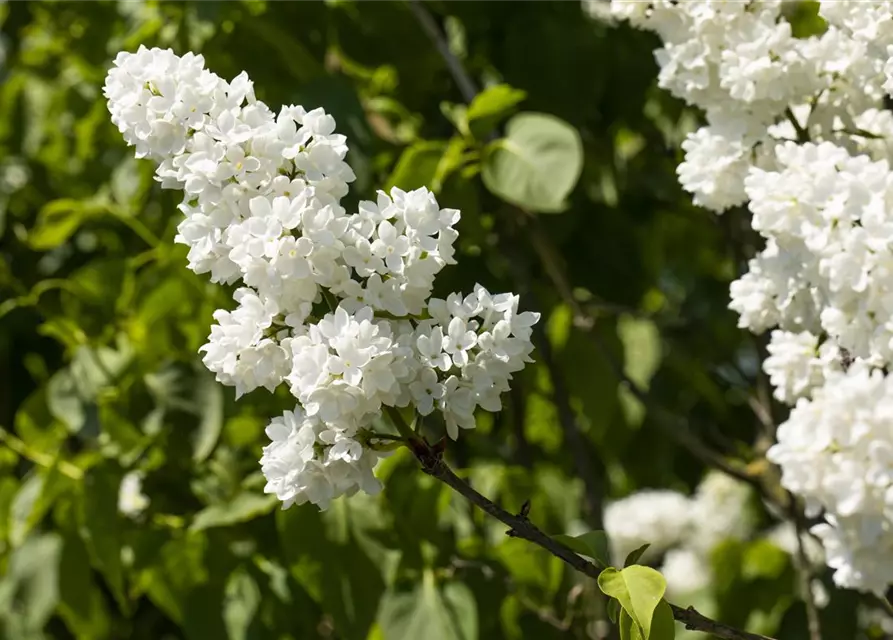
(638, 589)
(536, 165)
(490, 106)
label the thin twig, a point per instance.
(463, 80)
(432, 463)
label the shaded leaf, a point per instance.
(101, 527)
(663, 626)
(592, 543)
(635, 554)
(240, 604)
(209, 404)
(430, 611)
(31, 583)
(417, 166)
(245, 506)
(81, 604)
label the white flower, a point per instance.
(131, 499)
(798, 128)
(686, 573)
(660, 518)
(262, 207)
(721, 511)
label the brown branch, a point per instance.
(463, 80)
(431, 460)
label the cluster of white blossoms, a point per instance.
(681, 529)
(131, 499)
(336, 304)
(685, 531)
(799, 130)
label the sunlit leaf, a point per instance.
(536, 165)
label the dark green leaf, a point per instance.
(417, 166)
(663, 626)
(634, 555)
(81, 604)
(431, 611)
(101, 526)
(592, 543)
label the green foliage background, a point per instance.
(100, 323)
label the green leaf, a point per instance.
(57, 221)
(325, 559)
(30, 585)
(176, 571)
(457, 114)
(241, 601)
(246, 506)
(490, 107)
(22, 509)
(532, 568)
(663, 626)
(64, 400)
(8, 489)
(638, 589)
(417, 166)
(642, 356)
(81, 604)
(628, 628)
(101, 527)
(33, 500)
(762, 559)
(642, 348)
(635, 554)
(536, 165)
(35, 425)
(613, 609)
(592, 543)
(430, 611)
(209, 404)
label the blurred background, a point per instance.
(641, 373)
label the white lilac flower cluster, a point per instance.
(335, 304)
(798, 129)
(684, 530)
